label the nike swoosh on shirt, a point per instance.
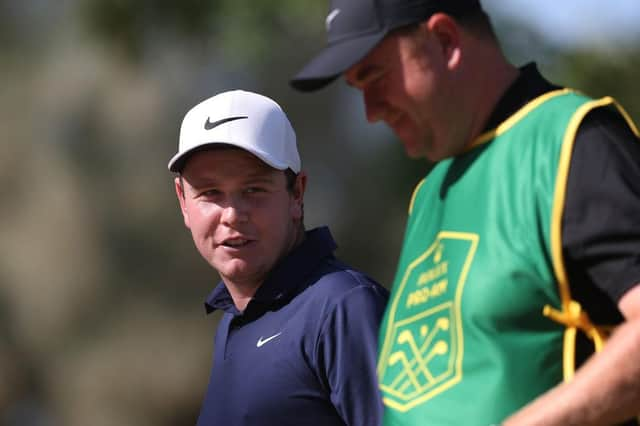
(208, 125)
(263, 341)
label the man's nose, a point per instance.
(235, 211)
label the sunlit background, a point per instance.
(101, 291)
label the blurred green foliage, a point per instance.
(242, 29)
(612, 73)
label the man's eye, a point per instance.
(254, 189)
(210, 193)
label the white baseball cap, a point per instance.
(247, 120)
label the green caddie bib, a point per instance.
(464, 340)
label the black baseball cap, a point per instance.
(355, 27)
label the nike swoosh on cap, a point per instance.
(208, 125)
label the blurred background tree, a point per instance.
(101, 290)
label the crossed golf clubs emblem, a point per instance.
(419, 366)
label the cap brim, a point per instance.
(176, 164)
(333, 61)
(178, 161)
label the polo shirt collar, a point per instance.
(287, 278)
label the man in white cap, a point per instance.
(297, 342)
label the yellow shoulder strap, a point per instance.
(571, 314)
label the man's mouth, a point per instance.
(235, 242)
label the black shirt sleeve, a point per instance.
(601, 222)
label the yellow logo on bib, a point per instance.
(422, 352)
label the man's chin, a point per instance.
(235, 269)
(413, 150)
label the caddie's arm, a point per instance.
(605, 391)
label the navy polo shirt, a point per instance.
(304, 350)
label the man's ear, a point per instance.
(178, 182)
(298, 195)
(448, 35)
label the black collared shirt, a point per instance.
(601, 220)
(303, 352)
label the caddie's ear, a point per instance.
(300, 186)
(449, 37)
(179, 186)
